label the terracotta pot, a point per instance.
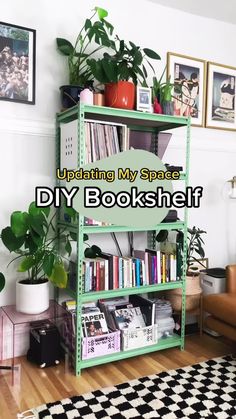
(120, 95)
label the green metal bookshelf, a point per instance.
(135, 120)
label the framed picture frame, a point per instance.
(200, 264)
(17, 63)
(144, 99)
(221, 89)
(188, 75)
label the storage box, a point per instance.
(101, 345)
(137, 338)
(165, 327)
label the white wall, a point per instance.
(27, 132)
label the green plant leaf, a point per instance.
(48, 262)
(37, 223)
(87, 24)
(73, 236)
(110, 70)
(30, 244)
(26, 264)
(64, 46)
(33, 210)
(59, 275)
(10, 240)
(102, 13)
(19, 223)
(151, 54)
(85, 238)
(2, 281)
(68, 247)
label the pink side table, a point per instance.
(16, 319)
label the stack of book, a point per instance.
(104, 139)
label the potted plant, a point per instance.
(33, 238)
(162, 95)
(96, 30)
(121, 70)
(193, 289)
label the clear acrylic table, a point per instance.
(9, 316)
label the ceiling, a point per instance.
(216, 9)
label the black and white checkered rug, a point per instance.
(206, 390)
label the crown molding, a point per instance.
(17, 126)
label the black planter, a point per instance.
(70, 95)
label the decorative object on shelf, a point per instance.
(193, 289)
(157, 106)
(221, 88)
(162, 95)
(117, 70)
(98, 99)
(32, 236)
(17, 64)
(144, 99)
(189, 77)
(86, 96)
(96, 29)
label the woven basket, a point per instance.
(193, 293)
(192, 301)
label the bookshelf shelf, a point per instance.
(134, 118)
(170, 342)
(137, 121)
(93, 296)
(120, 229)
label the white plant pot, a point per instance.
(32, 298)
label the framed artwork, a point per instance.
(189, 78)
(144, 99)
(17, 63)
(221, 85)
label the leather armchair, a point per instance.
(222, 307)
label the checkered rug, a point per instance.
(206, 390)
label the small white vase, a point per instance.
(32, 298)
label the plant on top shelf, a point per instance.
(121, 70)
(162, 95)
(96, 30)
(33, 238)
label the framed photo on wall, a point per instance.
(221, 85)
(17, 63)
(189, 77)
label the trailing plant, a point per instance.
(32, 236)
(96, 29)
(126, 61)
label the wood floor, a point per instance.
(41, 386)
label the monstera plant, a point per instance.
(32, 237)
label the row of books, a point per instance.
(103, 140)
(147, 267)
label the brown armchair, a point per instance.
(222, 307)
